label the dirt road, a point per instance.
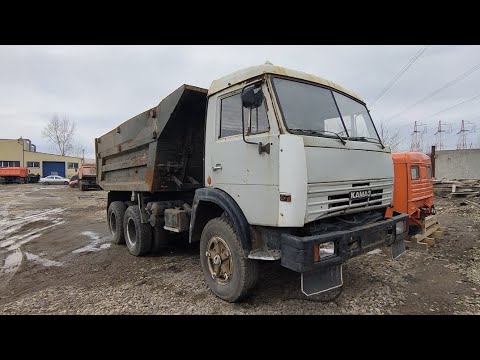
(56, 258)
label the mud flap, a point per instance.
(398, 248)
(318, 281)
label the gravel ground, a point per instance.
(56, 258)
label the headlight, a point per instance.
(400, 227)
(324, 250)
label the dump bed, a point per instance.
(87, 170)
(160, 149)
(14, 171)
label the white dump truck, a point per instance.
(267, 164)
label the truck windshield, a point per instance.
(321, 110)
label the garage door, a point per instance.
(50, 167)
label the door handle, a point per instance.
(217, 167)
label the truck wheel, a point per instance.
(138, 236)
(115, 215)
(80, 185)
(228, 274)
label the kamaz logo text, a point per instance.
(360, 194)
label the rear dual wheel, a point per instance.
(138, 236)
(115, 214)
(126, 227)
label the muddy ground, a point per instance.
(56, 258)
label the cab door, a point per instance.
(234, 163)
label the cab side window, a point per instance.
(256, 120)
(415, 172)
(231, 116)
(231, 108)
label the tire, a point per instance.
(65, 183)
(80, 186)
(138, 236)
(47, 183)
(244, 274)
(115, 215)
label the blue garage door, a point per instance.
(53, 166)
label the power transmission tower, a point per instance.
(447, 128)
(462, 138)
(417, 137)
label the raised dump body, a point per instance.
(87, 176)
(413, 186)
(160, 149)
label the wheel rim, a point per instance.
(131, 232)
(219, 258)
(113, 224)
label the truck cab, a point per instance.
(413, 186)
(267, 164)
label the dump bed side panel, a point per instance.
(143, 153)
(14, 171)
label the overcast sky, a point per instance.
(101, 86)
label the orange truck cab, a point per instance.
(413, 186)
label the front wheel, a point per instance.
(65, 183)
(228, 274)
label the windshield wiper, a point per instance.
(364, 138)
(319, 133)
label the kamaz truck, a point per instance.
(268, 164)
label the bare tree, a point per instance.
(60, 133)
(390, 137)
(78, 150)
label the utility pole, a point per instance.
(462, 138)
(417, 140)
(439, 138)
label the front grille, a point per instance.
(344, 199)
(325, 198)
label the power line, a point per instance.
(447, 85)
(441, 111)
(454, 106)
(400, 73)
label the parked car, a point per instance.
(54, 179)
(73, 181)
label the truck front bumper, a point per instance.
(298, 253)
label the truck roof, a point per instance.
(410, 157)
(253, 71)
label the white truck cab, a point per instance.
(292, 170)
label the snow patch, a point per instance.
(13, 261)
(42, 261)
(98, 243)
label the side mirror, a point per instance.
(252, 97)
